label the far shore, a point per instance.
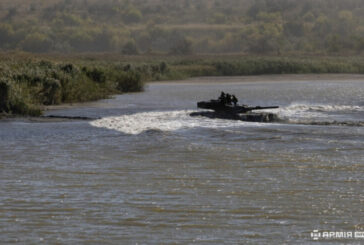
(227, 79)
(268, 78)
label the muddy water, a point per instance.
(145, 172)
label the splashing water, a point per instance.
(162, 120)
(305, 113)
(180, 119)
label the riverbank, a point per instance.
(29, 83)
(266, 78)
(27, 86)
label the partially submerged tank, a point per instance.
(226, 110)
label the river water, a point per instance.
(145, 172)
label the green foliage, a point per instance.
(51, 91)
(130, 48)
(6, 35)
(67, 68)
(96, 75)
(25, 86)
(219, 26)
(37, 42)
(66, 19)
(182, 47)
(79, 39)
(12, 12)
(133, 15)
(129, 82)
(218, 18)
(258, 66)
(12, 101)
(4, 95)
(163, 67)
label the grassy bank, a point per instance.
(27, 86)
(28, 82)
(248, 65)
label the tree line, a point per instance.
(183, 27)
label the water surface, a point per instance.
(145, 172)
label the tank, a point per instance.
(223, 110)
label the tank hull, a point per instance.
(248, 117)
(217, 106)
(234, 112)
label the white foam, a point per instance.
(181, 119)
(323, 107)
(308, 111)
(161, 120)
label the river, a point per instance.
(145, 172)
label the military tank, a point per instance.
(224, 109)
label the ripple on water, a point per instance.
(169, 178)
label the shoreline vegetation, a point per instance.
(30, 82)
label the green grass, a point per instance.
(27, 86)
(29, 82)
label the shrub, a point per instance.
(129, 82)
(15, 100)
(163, 67)
(20, 106)
(37, 42)
(4, 95)
(68, 68)
(130, 48)
(133, 15)
(182, 47)
(51, 92)
(96, 75)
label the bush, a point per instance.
(95, 74)
(51, 92)
(163, 67)
(68, 68)
(21, 107)
(4, 96)
(14, 101)
(38, 43)
(133, 15)
(129, 82)
(26, 85)
(130, 48)
(181, 47)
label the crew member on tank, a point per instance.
(234, 100)
(228, 99)
(222, 97)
